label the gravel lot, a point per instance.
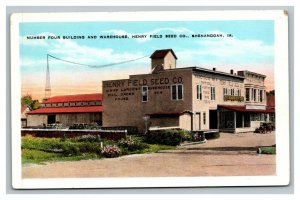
(230, 155)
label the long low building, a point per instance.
(68, 109)
(190, 98)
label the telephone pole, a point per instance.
(48, 86)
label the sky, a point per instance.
(250, 46)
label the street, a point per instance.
(230, 155)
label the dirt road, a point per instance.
(230, 155)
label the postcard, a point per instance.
(150, 99)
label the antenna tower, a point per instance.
(48, 86)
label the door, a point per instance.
(213, 119)
(199, 120)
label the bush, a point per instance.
(88, 138)
(132, 145)
(111, 151)
(167, 137)
(68, 147)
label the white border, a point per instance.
(281, 88)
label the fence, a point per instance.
(61, 133)
(131, 130)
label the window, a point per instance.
(239, 92)
(144, 93)
(224, 91)
(247, 94)
(232, 92)
(261, 95)
(199, 92)
(213, 93)
(204, 117)
(177, 92)
(254, 94)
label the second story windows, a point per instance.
(261, 97)
(177, 92)
(239, 92)
(199, 92)
(232, 92)
(144, 93)
(225, 92)
(213, 93)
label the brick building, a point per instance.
(190, 98)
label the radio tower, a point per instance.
(48, 86)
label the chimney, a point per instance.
(214, 69)
(231, 71)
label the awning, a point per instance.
(244, 110)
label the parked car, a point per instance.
(79, 126)
(265, 127)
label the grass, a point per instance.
(40, 157)
(40, 150)
(267, 150)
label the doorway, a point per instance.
(213, 119)
(51, 119)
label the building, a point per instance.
(24, 110)
(271, 106)
(69, 109)
(190, 98)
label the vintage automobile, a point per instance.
(265, 127)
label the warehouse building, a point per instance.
(69, 109)
(190, 98)
(24, 110)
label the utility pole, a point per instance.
(48, 86)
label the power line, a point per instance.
(97, 66)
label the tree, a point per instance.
(271, 93)
(27, 100)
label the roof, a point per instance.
(243, 109)
(195, 69)
(23, 108)
(75, 98)
(271, 101)
(162, 53)
(242, 73)
(77, 109)
(216, 72)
